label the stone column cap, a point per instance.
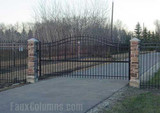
(135, 40)
(33, 39)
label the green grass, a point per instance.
(156, 79)
(142, 103)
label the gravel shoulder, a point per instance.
(118, 97)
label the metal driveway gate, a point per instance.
(84, 56)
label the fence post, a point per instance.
(32, 76)
(134, 63)
(79, 50)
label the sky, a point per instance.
(133, 11)
(12, 11)
(128, 11)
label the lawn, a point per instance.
(156, 79)
(141, 103)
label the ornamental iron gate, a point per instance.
(84, 57)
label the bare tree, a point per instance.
(59, 19)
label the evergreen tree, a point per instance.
(30, 34)
(1, 34)
(23, 33)
(157, 36)
(153, 36)
(145, 34)
(8, 35)
(149, 36)
(138, 31)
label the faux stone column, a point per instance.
(32, 76)
(134, 63)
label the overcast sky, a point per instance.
(128, 11)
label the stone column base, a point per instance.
(134, 83)
(32, 79)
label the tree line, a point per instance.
(16, 33)
(147, 35)
(53, 30)
(54, 21)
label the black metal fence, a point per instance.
(85, 56)
(80, 56)
(149, 65)
(13, 63)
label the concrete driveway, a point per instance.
(58, 95)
